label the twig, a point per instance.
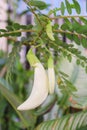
(17, 31)
(11, 38)
(68, 16)
(33, 11)
(39, 34)
(72, 33)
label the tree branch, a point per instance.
(68, 16)
(17, 31)
(72, 33)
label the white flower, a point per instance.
(40, 87)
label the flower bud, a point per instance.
(51, 75)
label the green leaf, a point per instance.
(81, 29)
(39, 4)
(47, 105)
(63, 74)
(62, 8)
(83, 128)
(68, 122)
(86, 69)
(83, 64)
(76, 39)
(68, 6)
(77, 6)
(3, 30)
(84, 42)
(56, 26)
(3, 105)
(69, 57)
(64, 26)
(69, 36)
(64, 53)
(4, 35)
(16, 26)
(69, 24)
(70, 86)
(17, 34)
(9, 28)
(26, 26)
(14, 101)
(76, 25)
(77, 61)
(84, 20)
(37, 26)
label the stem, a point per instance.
(68, 16)
(40, 33)
(33, 11)
(11, 38)
(35, 15)
(37, 45)
(17, 31)
(47, 50)
(68, 32)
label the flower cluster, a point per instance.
(44, 83)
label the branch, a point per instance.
(17, 31)
(33, 11)
(12, 39)
(68, 16)
(68, 32)
(59, 31)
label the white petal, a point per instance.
(39, 90)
